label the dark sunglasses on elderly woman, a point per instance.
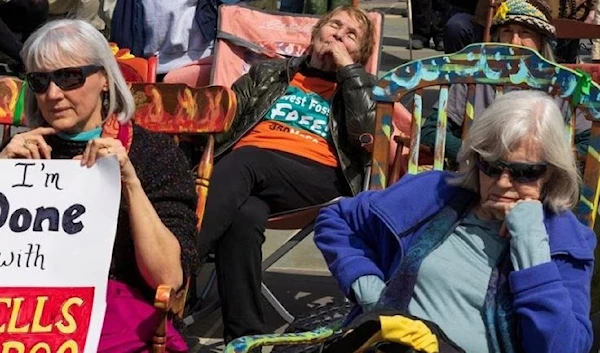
(66, 78)
(519, 172)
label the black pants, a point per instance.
(247, 185)
(22, 17)
(429, 17)
(461, 30)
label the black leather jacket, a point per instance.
(352, 110)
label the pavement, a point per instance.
(301, 280)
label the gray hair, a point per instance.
(547, 50)
(62, 40)
(509, 120)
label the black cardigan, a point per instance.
(169, 185)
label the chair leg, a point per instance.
(276, 304)
(201, 309)
(271, 259)
(289, 245)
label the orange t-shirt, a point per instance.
(298, 122)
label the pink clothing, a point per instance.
(130, 321)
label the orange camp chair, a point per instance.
(133, 68)
(12, 96)
(272, 35)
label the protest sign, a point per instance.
(58, 223)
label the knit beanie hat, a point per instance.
(534, 14)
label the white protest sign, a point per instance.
(58, 222)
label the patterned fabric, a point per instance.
(532, 13)
(499, 314)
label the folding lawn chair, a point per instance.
(271, 35)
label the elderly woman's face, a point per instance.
(343, 29)
(500, 193)
(72, 110)
(516, 34)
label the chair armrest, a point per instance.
(248, 343)
(167, 302)
(298, 218)
(170, 301)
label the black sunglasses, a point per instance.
(519, 172)
(66, 78)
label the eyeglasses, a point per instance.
(519, 172)
(67, 78)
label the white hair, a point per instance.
(509, 120)
(68, 40)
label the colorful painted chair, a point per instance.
(500, 65)
(493, 64)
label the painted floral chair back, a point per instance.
(182, 111)
(494, 64)
(12, 96)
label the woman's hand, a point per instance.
(338, 53)
(102, 147)
(332, 56)
(504, 231)
(29, 145)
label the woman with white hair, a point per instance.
(79, 107)
(491, 254)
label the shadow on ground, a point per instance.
(388, 62)
(299, 293)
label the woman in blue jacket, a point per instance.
(492, 254)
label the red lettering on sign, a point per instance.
(44, 319)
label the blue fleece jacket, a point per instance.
(368, 235)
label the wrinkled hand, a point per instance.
(102, 147)
(29, 145)
(337, 53)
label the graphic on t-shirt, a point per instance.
(304, 110)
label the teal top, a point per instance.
(453, 281)
(83, 136)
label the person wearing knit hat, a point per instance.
(534, 14)
(526, 23)
(532, 18)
